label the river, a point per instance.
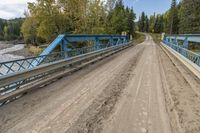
(4, 56)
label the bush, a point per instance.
(35, 50)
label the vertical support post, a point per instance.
(165, 39)
(175, 41)
(124, 40)
(118, 41)
(170, 41)
(97, 44)
(111, 41)
(64, 49)
(198, 61)
(185, 43)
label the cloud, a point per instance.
(13, 8)
(135, 1)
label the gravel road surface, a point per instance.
(139, 90)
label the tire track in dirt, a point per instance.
(182, 101)
(54, 108)
(91, 120)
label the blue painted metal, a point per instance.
(49, 55)
(64, 40)
(172, 41)
(186, 38)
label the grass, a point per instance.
(156, 37)
(138, 38)
(35, 50)
(196, 50)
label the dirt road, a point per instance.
(130, 92)
(142, 107)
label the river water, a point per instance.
(4, 56)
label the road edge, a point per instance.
(186, 62)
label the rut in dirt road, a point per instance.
(138, 90)
(56, 107)
(140, 108)
(101, 108)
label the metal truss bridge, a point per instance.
(181, 43)
(61, 53)
(64, 53)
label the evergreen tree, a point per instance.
(48, 18)
(119, 20)
(131, 23)
(190, 17)
(152, 23)
(174, 21)
(159, 24)
(141, 23)
(166, 22)
(1, 29)
(146, 24)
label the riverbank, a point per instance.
(10, 52)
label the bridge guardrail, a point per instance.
(194, 57)
(62, 42)
(13, 81)
(27, 63)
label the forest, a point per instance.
(181, 18)
(45, 19)
(49, 18)
(11, 29)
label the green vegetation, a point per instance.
(183, 18)
(35, 50)
(48, 18)
(189, 16)
(10, 29)
(139, 38)
(143, 23)
(156, 37)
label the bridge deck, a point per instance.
(139, 90)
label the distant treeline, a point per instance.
(11, 29)
(48, 18)
(182, 18)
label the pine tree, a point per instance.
(130, 17)
(159, 24)
(174, 21)
(152, 23)
(146, 24)
(48, 18)
(190, 17)
(141, 23)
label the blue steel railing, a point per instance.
(27, 63)
(48, 55)
(14, 81)
(173, 41)
(182, 40)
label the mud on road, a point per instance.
(181, 88)
(92, 118)
(56, 107)
(139, 90)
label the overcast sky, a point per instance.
(15, 8)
